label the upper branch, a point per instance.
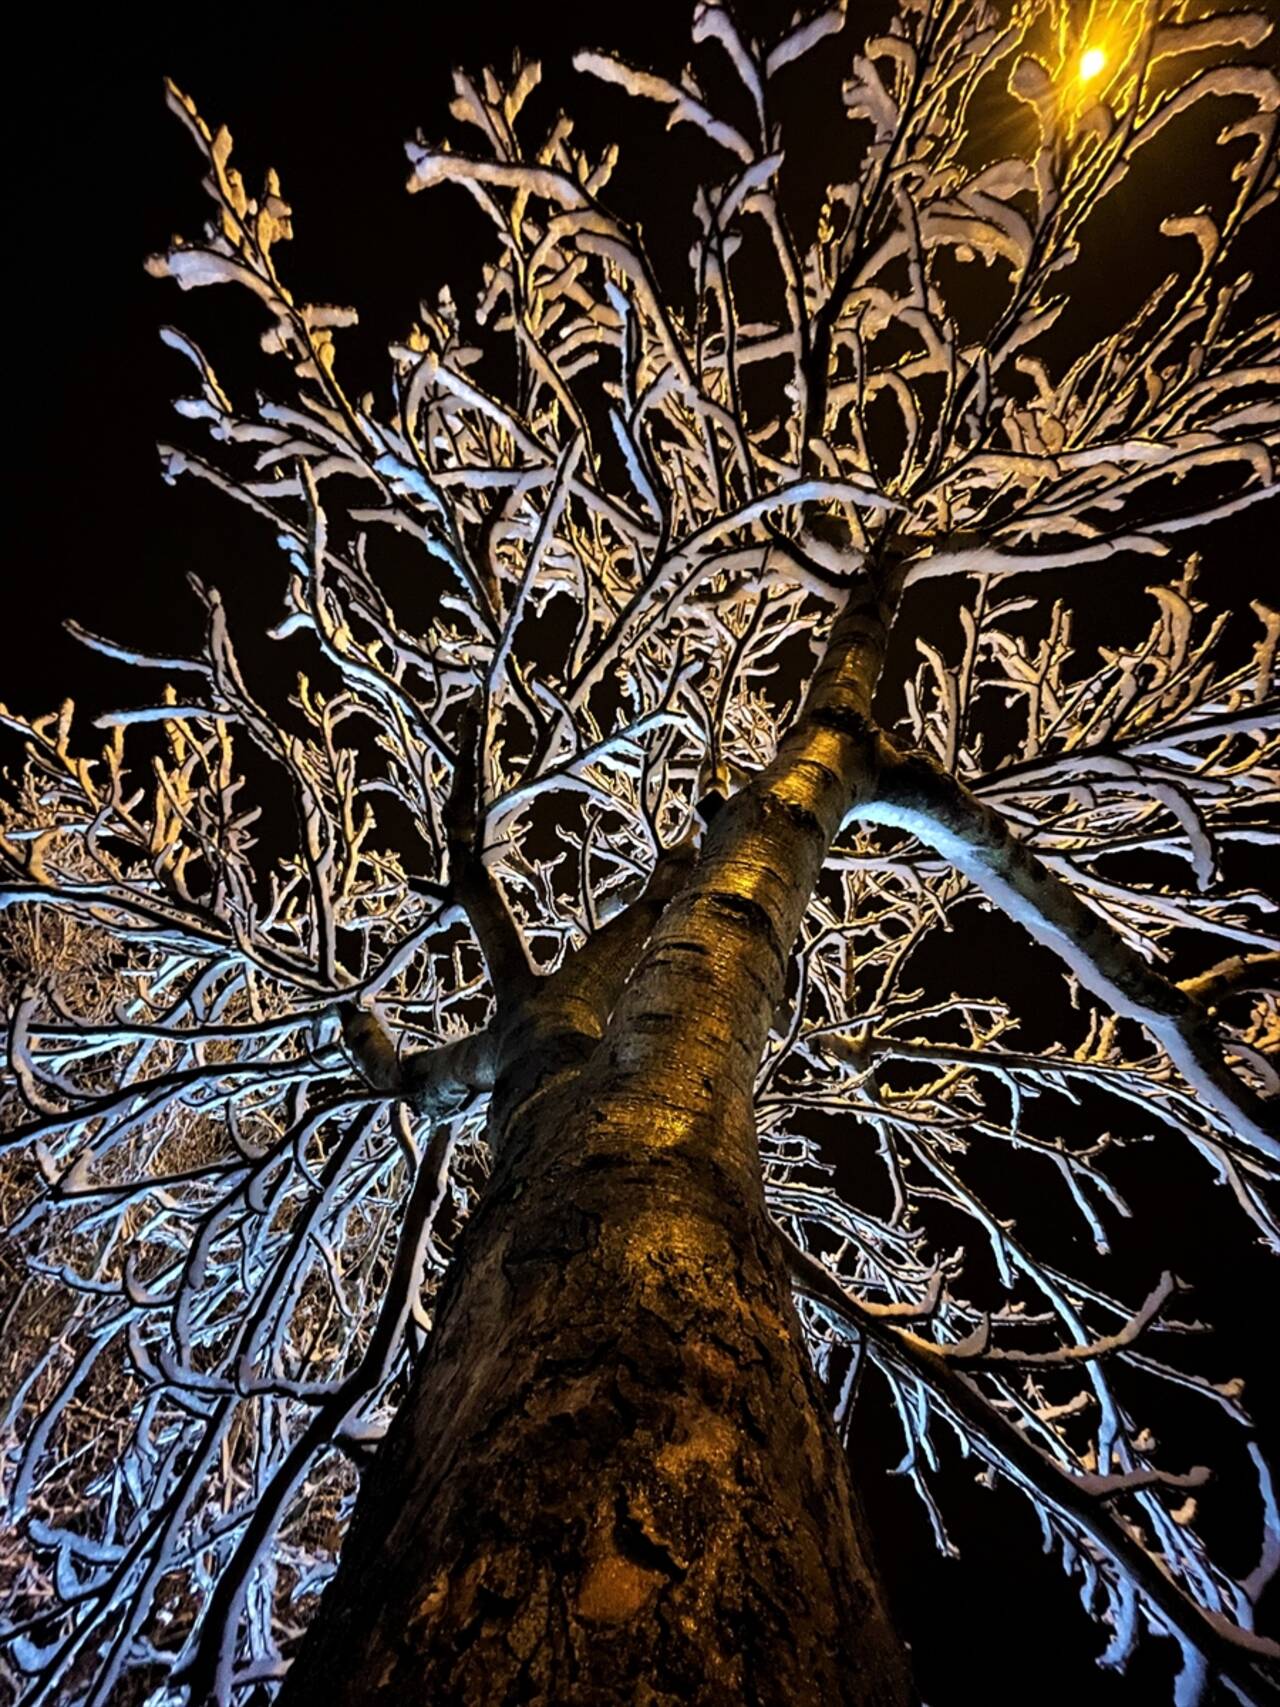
(486, 909)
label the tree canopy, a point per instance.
(551, 599)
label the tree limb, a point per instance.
(1229, 1649)
(596, 972)
(475, 890)
(551, 1031)
(914, 794)
(436, 1082)
(1232, 977)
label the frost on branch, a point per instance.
(264, 937)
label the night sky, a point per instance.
(99, 176)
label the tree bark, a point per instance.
(613, 1478)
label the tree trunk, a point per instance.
(613, 1478)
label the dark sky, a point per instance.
(99, 175)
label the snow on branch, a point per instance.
(917, 796)
(270, 925)
(1079, 1501)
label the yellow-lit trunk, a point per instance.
(614, 1479)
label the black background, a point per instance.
(98, 176)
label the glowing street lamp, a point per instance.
(1091, 63)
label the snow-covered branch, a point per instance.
(289, 946)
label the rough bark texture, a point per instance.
(613, 1479)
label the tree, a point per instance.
(534, 1087)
